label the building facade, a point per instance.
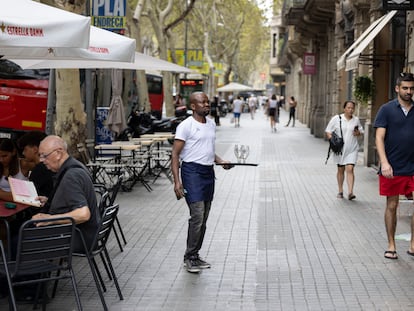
(331, 51)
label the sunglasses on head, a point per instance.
(406, 75)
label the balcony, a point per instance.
(316, 11)
(293, 11)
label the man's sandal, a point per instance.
(392, 253)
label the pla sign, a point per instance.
(109, 14)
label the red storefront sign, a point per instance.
(309, 63)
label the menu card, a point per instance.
(23, 191)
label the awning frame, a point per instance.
(362, 42)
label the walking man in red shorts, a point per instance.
(394, 140)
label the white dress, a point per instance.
(4, 183)
(350, 150)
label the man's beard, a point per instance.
(203, 113)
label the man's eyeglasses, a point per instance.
(44, 156)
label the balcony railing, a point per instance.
(292, 10)
(294, 3)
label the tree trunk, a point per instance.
(142, 87)
(70, 114)
(157, 22)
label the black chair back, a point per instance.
(38, 244)
(115, 190)
(43, 247)
(99, 248)
(103, 201)
(107, 219)
(107, 197)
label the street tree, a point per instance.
(135, 25)
(163, 20)
(236, 34)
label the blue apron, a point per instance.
(198, 181)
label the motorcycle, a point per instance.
(223, 108)
(140, 123)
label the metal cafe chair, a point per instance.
(6, 233)
(103, 166)
(98, 247)
(107, 198)
(41, 251)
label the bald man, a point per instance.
(194, 156)
(73, 194)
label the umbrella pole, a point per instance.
(51, 102)
(89, 105)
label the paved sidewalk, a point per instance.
(277, 237)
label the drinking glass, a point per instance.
(242, 152)
(246, 153)
(237, 152)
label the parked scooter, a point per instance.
(223, 108)
(140, 123)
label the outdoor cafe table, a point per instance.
(9, 212)
(130, 156)
(159, 135)
(117, 146)
(160, 155)
(6, 216)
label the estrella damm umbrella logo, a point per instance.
(21, 31)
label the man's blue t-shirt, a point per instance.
(399, 137)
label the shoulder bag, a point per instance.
(336, 143)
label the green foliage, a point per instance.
(363, 89)
(238, 36)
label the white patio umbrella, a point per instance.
(141, 62)
(27, 24)
(103, 46)
(234, 87)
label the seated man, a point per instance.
(73, 194)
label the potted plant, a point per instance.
(363, 89)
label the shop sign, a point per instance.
(109, 14)
(402, 5)
(309, 63)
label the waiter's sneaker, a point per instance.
(202, 263)
(192, 265)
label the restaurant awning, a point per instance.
(350, 58)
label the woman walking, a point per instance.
(292, 109)
(273, 112)
(349, 128)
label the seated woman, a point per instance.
(10, 165)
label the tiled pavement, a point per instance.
(277, 237)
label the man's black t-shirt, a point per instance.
(42, 179)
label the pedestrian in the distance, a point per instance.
(349, 128)
(252, 101)
(194, 149)
(394, 139)
(273, 112)
(237, 110)
(292, 110)
(215, 110)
